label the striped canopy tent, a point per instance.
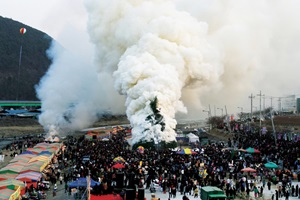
(53, 150)
(58, 145)
(40, 147)
(51, 147)
(12, 184)
(27, 152)
(35, 150)
(11, 169)
(6, 193)
(37, 166)
(20, 162)
(22, 157)
(7, 176)
(29, 176)
(42, 158)
(45, 152)
(43, 144)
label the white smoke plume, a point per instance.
(73, 94)
(154, 51)
(186, 53)
(182, 50)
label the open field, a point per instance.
(10, 127)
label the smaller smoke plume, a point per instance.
(73, 94)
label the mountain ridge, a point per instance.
(19, 79)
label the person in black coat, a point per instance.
(287, 194)
(261, 191)
(269, 185)
(276, 195)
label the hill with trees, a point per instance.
(18, 79)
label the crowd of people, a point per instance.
(216, 164)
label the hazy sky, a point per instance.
(257, 42)
(57, 18)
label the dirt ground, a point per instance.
(10, 127)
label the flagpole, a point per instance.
(89, 186)
(19, 73)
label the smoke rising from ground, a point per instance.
(157, 51)
(187, 53)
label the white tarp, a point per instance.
(2, 158)
(193, 138)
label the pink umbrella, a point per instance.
(248, 169)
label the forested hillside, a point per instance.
(34, 61)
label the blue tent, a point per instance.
(82, 182)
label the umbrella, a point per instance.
(243, 150)
(271, 165)
(119, 159)
(248, 169)
(140, 149)
(252, 150)
(227, 149)
(118, 166)
(186, 151)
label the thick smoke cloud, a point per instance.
(259, 47)
(155, 52)
(73, 94)
(187, 53)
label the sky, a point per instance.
(248, 46)
(52, 17)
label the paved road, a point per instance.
(61, 195)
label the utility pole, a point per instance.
(227, 120)
(241, 112)
(251, 99)
(272, 102)
(279, 105)
(273, 127)
(264, 105)
(209, 116)
(260, 95)
(221, 110)
(214, 110)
